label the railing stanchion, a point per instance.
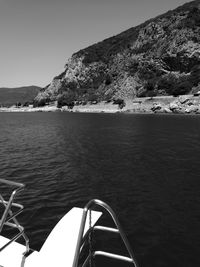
(9, 215)
(89, 205)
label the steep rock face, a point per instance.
(158, 57)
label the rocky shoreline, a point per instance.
(186, 104)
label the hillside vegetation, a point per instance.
(23, 95)
(158, 57)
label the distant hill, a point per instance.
(11, 96)
(158, 57)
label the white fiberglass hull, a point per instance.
(58, 249)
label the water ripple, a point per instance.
(145, 167)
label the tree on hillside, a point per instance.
(66, 99)
(195, 75)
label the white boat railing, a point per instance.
(9, 217)
(118, 229)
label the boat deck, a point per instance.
(58, 249)
(12, 255)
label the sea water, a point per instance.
(146, 167)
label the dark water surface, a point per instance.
(145, 166)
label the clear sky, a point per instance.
(38, 36)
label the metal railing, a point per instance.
(9, 217)
(118, 229)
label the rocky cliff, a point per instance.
(158, 57)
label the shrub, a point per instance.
(149, 89)
(26, 104)
(149, 86)
(174, 86)
(195, 89)
(151, 93)
(122, 105)
(119, 102)
(193, 18)
(141, 92)
(108, 80)
(18, 104)
(167, 83)
(195, 75)
(39, 103)
(66, 99)
(70, 105)
(92, 97)
(132, 65)
(182, 88)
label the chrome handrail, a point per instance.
(5, 220)
(96, 202)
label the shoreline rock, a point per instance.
(187, 104)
